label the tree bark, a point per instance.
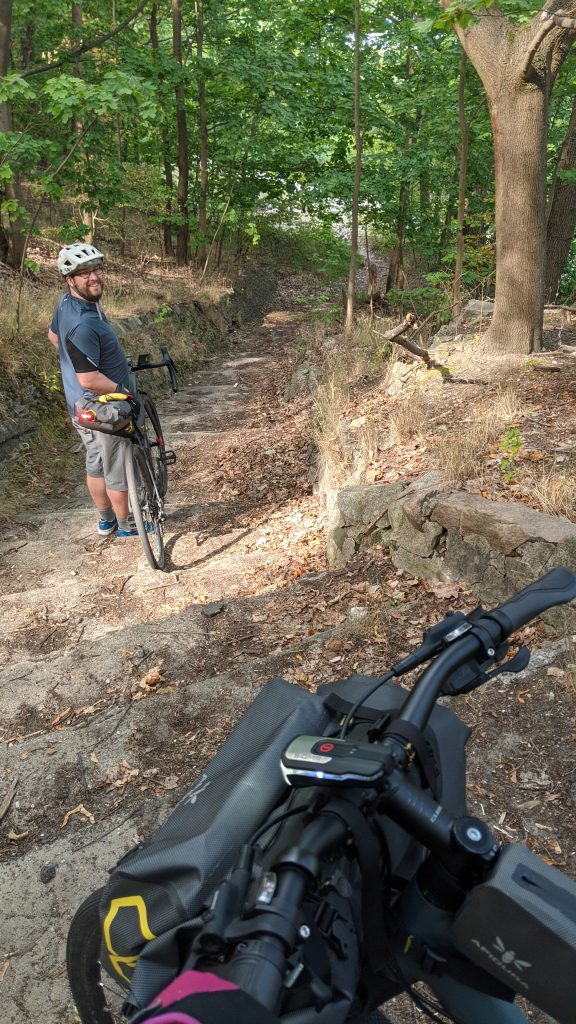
(459, 264)
(203, 136)
(396, 277)
(166, 157)
(86, 213)
(518, 65)
(183, 232)
(348, 323)
(561, 217)
(12, 228)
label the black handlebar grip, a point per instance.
(167, 360)
(557, 587)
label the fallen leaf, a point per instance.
(93, 758)
(77, 810)
(8, 798)
(60, 717)
(556, 671)
(152, 678)
(16, 836)
(170, 782)
(3, 969)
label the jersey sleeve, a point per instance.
(86, 342)
(79, 361)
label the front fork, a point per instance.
(424, 924)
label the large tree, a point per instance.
(561, 214)
(518, 63)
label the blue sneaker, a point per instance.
(107, 526)
(131, 531)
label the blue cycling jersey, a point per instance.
(84, 324)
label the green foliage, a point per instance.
(510, 445)
(309, 246)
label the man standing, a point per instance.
(92, 363)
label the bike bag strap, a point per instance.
(410, 736)
(375, 876)
(197, 997)
(461, 970)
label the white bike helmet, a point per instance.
(79, 255)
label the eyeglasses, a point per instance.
(85, 274)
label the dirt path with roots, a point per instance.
(118, 683)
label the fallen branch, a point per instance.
(8, 798)
(395, 335)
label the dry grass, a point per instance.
(409, 418)
(555, 492)
(36, 309)
(43, 464)
(329, 428)
(462, 453)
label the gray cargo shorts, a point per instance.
(104, 456)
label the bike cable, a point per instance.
(276, 821)
(360, 702)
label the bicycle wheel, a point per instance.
(146, 505)
(97, 997)
(153, 431)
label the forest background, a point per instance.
(186, 130)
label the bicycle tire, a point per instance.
(98, 1000)
(146, 505)
(153, 430)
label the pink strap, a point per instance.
(175, 1018)
(192, 983)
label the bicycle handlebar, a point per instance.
(557, 587)
(464, 846)
(483, 637)
(167, 361)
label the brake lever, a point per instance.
(469, 678)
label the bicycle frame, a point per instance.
(433, 925)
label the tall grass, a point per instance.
(463, 450)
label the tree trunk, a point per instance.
(396, 277)
(561, 219)
(183, 233)
(168, 176)
(357, 175)
(518, 64)
(86, 213)
(459, 264)
(203, 133)
(13, 229)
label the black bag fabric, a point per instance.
(150, 906)
(111, 414)
(445, 737)
(520, 926)
(159, 887)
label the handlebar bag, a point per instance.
(445, 737)
(111, 414)
(520, 926)
(154, 893)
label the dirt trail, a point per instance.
(118, 683)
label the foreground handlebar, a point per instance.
(557, 587)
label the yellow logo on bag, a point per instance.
(115, 906)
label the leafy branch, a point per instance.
(76, 51)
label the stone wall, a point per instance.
(440, 534)
(246, 301)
